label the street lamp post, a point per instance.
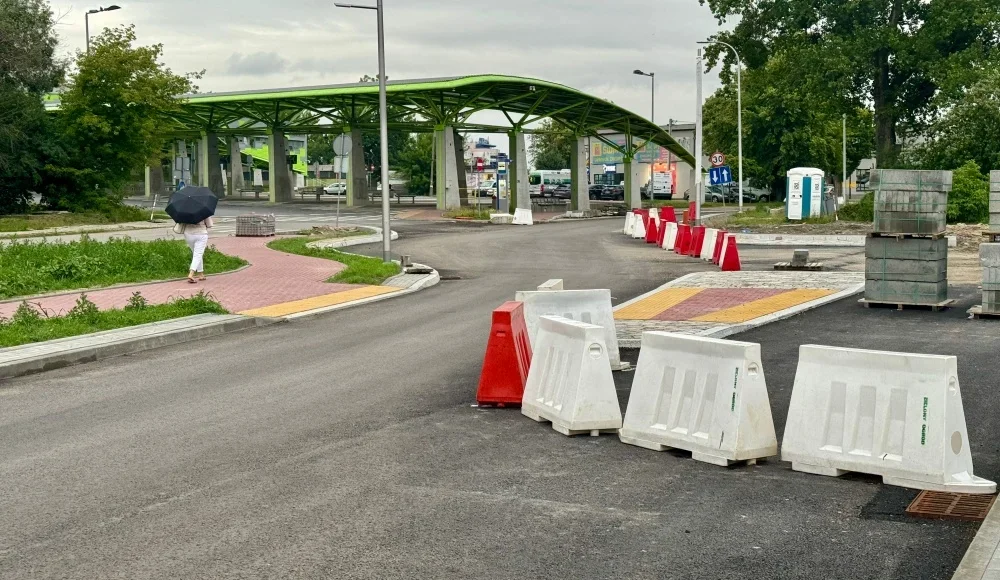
(652, 117)
(383, 123)
(739, 108)
(86, 20)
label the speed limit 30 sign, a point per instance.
(717, 159)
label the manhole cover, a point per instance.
(951, 506)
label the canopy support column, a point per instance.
(209, 164)
(633, 199)
(520, 198)
(236, 180)
(280, 178)
(578, 174)
(448, 186)
(357, 174)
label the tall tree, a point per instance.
(969, 130)
(414, 163)
(791, 119)
(28, 70)
(114, 117)
(551, 146)
(903, 54)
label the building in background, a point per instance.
(607, 164)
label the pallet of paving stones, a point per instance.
(977, 313)
(899, 236)
(935, 307)
(789, 267)
(992, 237)
(255, 226)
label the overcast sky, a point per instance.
(591, 45)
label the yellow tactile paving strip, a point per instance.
(655, 304)
(764, 306)
(297, 306)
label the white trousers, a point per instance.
(197, 243)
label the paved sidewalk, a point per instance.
(273, 278)
(719, 304)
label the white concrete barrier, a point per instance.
(670, 238)
(703, 395)
(570, 382)
(522, 217)
(551, 285)
(655, 214)
(629, 223)
(639, 231)
(708, 248)
(590, 306)
(892, 414)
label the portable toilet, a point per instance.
(804, 194)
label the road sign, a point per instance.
(717, 159)
(720, 175)
(342, 145)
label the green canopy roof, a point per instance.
(434, 103)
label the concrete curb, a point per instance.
(354, 240)
(203, 326)
(976, 564)
(797, 240)
(427, 281)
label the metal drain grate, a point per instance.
(962, 507)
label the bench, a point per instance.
(413, 197)
(256, 190)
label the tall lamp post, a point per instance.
(652, 117)
(383, 122)
(739, 107)
(86, 20)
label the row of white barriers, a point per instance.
(895, 415)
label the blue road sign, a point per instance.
(720, 175)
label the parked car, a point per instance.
(756, 195)
(562, 191)
(336, 188)
(596, 192)
(614, 193)
(721, 193)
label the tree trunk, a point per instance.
(884, 97)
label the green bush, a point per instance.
(359, 270)
(969, 200)
(862, 211)
(29, 325)
(28, 268)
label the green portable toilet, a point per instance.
(804, 192)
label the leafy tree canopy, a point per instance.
(551, 147)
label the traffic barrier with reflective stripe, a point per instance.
(667, 214)
(730, 259)
(630, 219)
(522, 217)
(639, 231)
(570, 382)
(720, 240)
(704, 395)
(661, 233)
(508, 358)
(683, 239)
(590, 306)
(891, 414)
(653, 231)
(697, 240)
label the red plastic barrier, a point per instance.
(692, 212)
(719, 240)
(683, 235)
(684, 217)
(697, 241)
(667, 214)
(662, 233)
(508, 358)
(653, 231)
(731, 258)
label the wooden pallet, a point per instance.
(907, 305)
(788, 267)
(977, 313)
(898, 236)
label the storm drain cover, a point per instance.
(962, 507)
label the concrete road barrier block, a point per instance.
(551, 285)
(704, 395)
(522, 217)
(570, 382)
(708, 248)
(670, 238)
(891, 414)
(589, 306)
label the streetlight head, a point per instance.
(93, 11)
(638, 72)
(112, 7)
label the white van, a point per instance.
(543, 182)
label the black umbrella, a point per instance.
(192, 205)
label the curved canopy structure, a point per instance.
(433, 103)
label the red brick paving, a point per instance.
(273, 278)
(715, 299)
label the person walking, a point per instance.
(196, 236)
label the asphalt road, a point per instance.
(348, 446)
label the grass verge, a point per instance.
(360, 269)
(473, 213)
(42, 221)
(29, 325)
(28, 268)
(761, 215)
